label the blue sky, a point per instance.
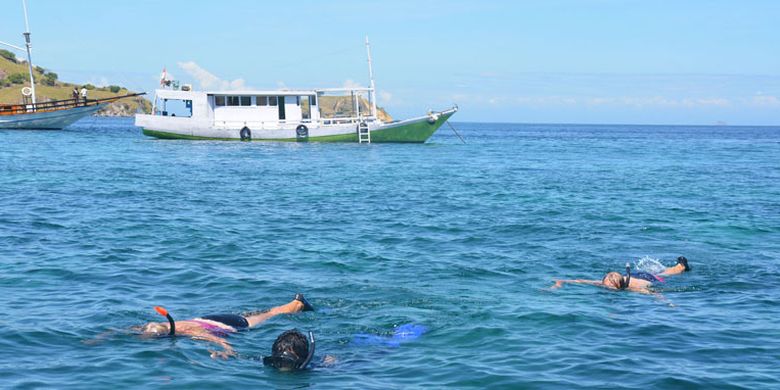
(554, 61)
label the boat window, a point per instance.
(219, 100)
(273, 100)
(262, 100)
(179, 108)
(232, 100)
(246, 100)
(298, 100)
(313, 100)
(305, 106)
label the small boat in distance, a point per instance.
(325, 115)
(53, 114)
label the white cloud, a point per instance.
(599, 101)
(351, 84)
(385, 97)
(209, 81)
(765, 101)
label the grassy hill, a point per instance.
(49, 87)
(343, 106)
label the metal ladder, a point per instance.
(364, 134)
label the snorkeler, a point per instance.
(214, 328)
(293, 351)
(633, 281)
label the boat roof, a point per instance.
(178, 94)
(265, 92)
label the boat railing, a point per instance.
(283, 124)
(24, 108)
(55, 105)
(341, 120)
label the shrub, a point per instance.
(114, 88)
(17, 78)
(89, 87)
(8, 55)
(40, 70)
(50, 78)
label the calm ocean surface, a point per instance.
(98, 224)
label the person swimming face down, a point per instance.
(290, 351)
(614, 280)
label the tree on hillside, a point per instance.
(17, 78)
(8, 55)
(50, 79)
(114, 88)
(40, 70)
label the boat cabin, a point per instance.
(263, 109)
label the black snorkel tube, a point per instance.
(172, 325)
(310, 355)
(627, 278)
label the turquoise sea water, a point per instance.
(98, 224)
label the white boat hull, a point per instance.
(47, 120)
(410, 130)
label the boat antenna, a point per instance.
(372, 93)
(28, 45)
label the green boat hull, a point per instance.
(417, 131)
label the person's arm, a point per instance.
(227, 348)
(329, 361)
(559, 283)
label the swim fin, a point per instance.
(306, 305)
(682, 260)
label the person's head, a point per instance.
(614, 280)
(684, 262)
(289, 352)
(155, 329)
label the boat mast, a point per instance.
(28, 45)
(372, 93)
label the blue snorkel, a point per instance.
(311, 353)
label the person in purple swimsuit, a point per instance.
(214, 328)
(633, 281)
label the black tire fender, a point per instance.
(245, 134)
(302, 131)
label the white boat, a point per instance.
(282, 115)
(54, 114)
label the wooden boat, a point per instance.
(55, 114)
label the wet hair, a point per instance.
(155, 329)
(616, 281)
(291, 341)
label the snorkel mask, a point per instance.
(288, 360)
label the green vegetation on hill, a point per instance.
(344, 107)
(14, 75)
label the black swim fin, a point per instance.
(306, 305)
(682, 260)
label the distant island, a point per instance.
(14, 75)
